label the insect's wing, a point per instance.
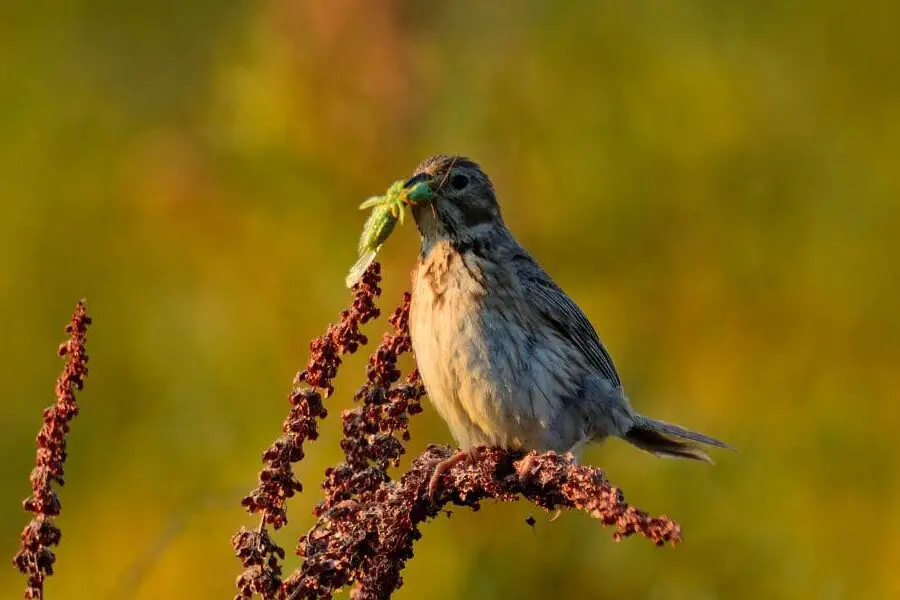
(357, 270)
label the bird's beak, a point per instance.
(418, 177)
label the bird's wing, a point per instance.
(560, 312)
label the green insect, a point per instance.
(388, 211)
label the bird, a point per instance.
(506, 357)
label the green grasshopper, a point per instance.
(388, 211)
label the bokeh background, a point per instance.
(715, 183)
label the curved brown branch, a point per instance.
(368, 540)
(34, 558)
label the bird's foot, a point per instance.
(442, 467)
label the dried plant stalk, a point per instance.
(34, 558)
(373, 439)
(370, 539)
(258, 553)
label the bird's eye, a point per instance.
(459, 182)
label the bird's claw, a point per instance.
(443, 466)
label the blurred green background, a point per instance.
(715, 183)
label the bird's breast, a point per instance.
(492, 377)
(448, 338)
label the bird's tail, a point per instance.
(664, 439)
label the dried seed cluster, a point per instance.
(335, 551)
(34, 558)
(373, 434)
(277, 482)
(367, 540)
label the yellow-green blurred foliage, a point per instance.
(716, 183)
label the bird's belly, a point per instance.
(490, 377)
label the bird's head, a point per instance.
(463, 206)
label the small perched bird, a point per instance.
(507, 358)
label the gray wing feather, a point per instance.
(561, 313)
